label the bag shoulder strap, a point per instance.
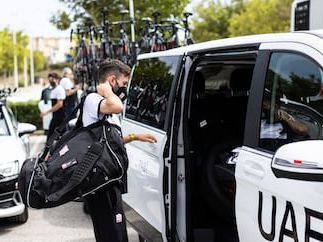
(62, 127)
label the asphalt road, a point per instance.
(66, 223)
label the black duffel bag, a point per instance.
(81, 162)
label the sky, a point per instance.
(32, 16)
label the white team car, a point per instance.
(14, 147)
(239, 157)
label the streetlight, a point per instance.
(15, 59)
(32, 75)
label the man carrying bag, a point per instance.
(88, 161)
(105, 206)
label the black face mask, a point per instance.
(122, 93)
(52, 83)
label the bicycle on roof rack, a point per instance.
(122, 47)
(188, 40)
(158, 42)
(164, 34)
(96, 42)
(106, 44)
(85, 65)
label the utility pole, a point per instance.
(15, 59)
(32, 75)
(132, 18)
(134, 46)
(25, 71)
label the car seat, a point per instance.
(240, 81)
(198, 120)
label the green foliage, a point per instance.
(84, 9)
(6, 51)
(261, 16)
(212, 21)
(215, 20)
(27, 112)
(21, 83)
(40, 61)
(8, 48)
(62, 20)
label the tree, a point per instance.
(81, 10)
(215, 20)
(40, 60)
(7, 48)
(261, 16)
(212, 20)
(6, 52)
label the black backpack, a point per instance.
(81, 161)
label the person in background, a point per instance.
(70, 90)
(105, 206)
(278, 127)
(57, 97)
(45, 103)
(47, 88)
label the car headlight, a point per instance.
(9, 169)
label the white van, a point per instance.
(239, 157)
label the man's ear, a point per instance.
(112, 80)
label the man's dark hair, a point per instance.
(54, 75)
(112, 67)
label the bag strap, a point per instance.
(82, 170)
(62, 127)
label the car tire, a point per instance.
(22, 218)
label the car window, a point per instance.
(292, 107)
(3, 124)
(149, 90)
(13, 118)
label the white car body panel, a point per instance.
(255, 180)
(12, 211)
(13, 149)
(145, 174)
(301, 194)
(254, 175)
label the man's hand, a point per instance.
(146, 138)
(42, 114)
(282, 115)
(104, 89)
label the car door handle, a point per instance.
(254, 170)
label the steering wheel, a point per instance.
(218, 181)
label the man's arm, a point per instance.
(139, 137)
(70, 92)
(57, 106)
(297, 126)
(111, 103)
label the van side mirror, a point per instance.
(25, 128)
(299, 160)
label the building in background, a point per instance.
(56, 49)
